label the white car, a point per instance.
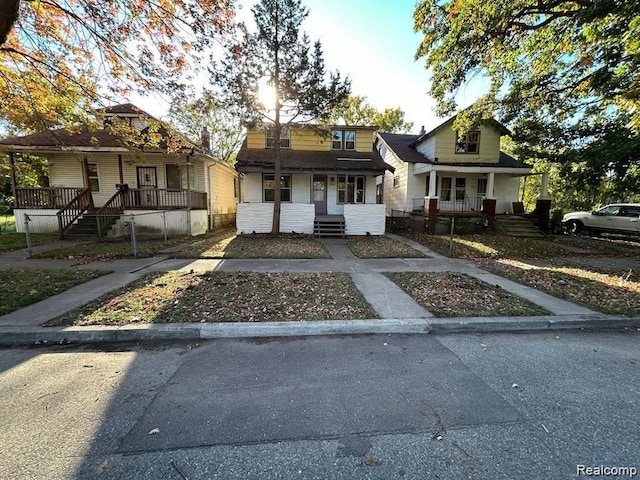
(614, 218)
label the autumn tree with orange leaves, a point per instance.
(61, 58)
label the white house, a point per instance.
(116, 172)
(328, 181)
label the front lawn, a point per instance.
(225, 297)
(377, 246)
(255, 246)
(448, 294)
(20, 287)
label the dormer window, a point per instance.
(468, 143)
(343, 139)
(285, 137)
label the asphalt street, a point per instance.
(481, 406)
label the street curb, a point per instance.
(15, 336)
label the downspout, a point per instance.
(188, 197)
(120, 169)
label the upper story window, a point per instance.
(343, 139)
(285, 137)
(468, 143)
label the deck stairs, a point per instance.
(329, 226)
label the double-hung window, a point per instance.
(351, 189)
(92, 177)
(343, 139)
(269, 185)
(468, 143)
(180, 176)
(285, 137)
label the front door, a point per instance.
(148, 185)
(319, 194)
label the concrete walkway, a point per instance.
(398, 312)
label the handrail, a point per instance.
(110, 211)
(74, 209)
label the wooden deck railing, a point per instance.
(51, 197)
(163, 199)
(74, 209)
(108, 214)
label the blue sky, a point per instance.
(372, 42)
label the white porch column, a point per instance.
(491, 178)
(432, 184)
(544, 185)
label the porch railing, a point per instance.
(469, 204)
(159, 198)
(50, 197)
(109, 213)
(74, 209)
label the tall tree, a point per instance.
(279, 53)
(357, 111)
(225, 131)
(60, 57)
(562, 73)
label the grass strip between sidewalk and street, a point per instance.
(22, 287)
(179, 297)
(448, 294)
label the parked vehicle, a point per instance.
(614, 218)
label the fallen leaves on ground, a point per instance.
(377, 246)
(447, 294)
(226, 297)
(610, 291)
(257, 246)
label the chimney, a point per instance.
(205, 139)
(422, 131)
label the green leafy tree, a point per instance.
(562, 74)
(277, 52)
(226, 132)
(356, 111)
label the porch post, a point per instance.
(431, 213)
(432, 184)
(14, 183)
(544, 185)
(491, 178)
(489, 209)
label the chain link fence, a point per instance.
(133, 227)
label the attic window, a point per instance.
(343, 139)
(468, 143)
(285, 137)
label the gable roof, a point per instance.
(84, 138)
(262, 160)
(492, 122)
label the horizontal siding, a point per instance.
(222, 197)
(364, 219)
(258, 218)
(445, 142)
(309, 139)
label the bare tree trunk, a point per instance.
(277, 191)
(9, 9)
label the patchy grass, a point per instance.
(504, 246)
(256, 246)
(607, 290)
(17, 241)
(448, 294)
(379, 246)
(225, 297)
(19, 287)
(98, 251)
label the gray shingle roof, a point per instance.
(401, 145)
(261, 159)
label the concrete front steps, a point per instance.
(517, 226)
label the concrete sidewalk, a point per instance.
(398, 312)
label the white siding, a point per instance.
(364, 219)
(506, 190)
(258, 217)
(301, 188)
(40, 220)
(428, 148)
(395, 198)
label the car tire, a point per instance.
(574, 227)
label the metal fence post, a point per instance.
(164, 224)
(453, 224)
(28, 234)
(134, 244)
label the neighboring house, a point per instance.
(442, 171)
(328, 181)
(100, 172)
